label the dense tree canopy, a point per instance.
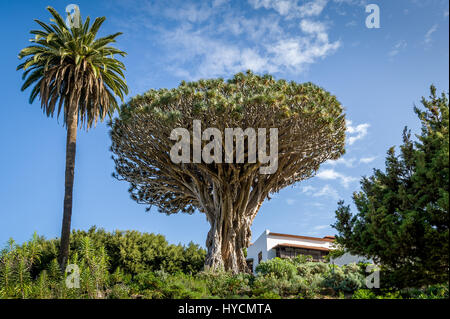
(311, 130)
(403, 217)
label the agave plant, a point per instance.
(73, 71)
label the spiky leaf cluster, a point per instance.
(311, 130)
(70, 66)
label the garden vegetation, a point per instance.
(129, 264)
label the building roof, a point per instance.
(303, 246)
(326, 238)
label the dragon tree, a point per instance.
(311, 130)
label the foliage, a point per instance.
(430, 292)
(346, 278)
(130, 251)
(98, 279)
(73, 71)
(307, 278)
(275, 285)
(280, 268)
(403, 213)
(364, 294)
(70, 66)
(225, 284)
(311, 129)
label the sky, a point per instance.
(378, 74)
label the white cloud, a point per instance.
(367, 160)
(400, 45)
(189, 12)
(325, 191)
(318, 205)
(429, 33)
(312, 8)
(308, 189)
(221, 38)
(358, 132)
(290, 201)
(217, 58)
(320, 227)
(312, 27)
(294, 54)
(290, 8)
(348, 162)
(352, 2)
(268, 49)
(217, 3)
(331, 174)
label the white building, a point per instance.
(270, 245)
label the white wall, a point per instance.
(260, 245)
(273, 241)
(266, 244)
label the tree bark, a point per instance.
(229, 234)
(226, 245)
(72, 125)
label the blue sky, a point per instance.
(377, 74)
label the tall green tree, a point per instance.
(72, 71)
(403, 213)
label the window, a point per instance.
(259, 257)
(250, 263)
(291, 252)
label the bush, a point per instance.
(431, 292)
(280, 286)
(347, 278)
(269, 295)
(132, 251)
(225, 284)
(136, 252)
(280, 268)
(119, 291)
(28, 271)
(363, 294)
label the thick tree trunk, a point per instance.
(72, 125)
(229, 234)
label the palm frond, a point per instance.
(69, 67)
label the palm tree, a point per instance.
(71, 69)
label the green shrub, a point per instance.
(119, 291)
(280, 286)
(225, 284)
(390, 295)
(280, 268)
(430, 292)
(269, 295)
(363, 294)
(346, 278)
(31, 270)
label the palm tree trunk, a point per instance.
(72, 125)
